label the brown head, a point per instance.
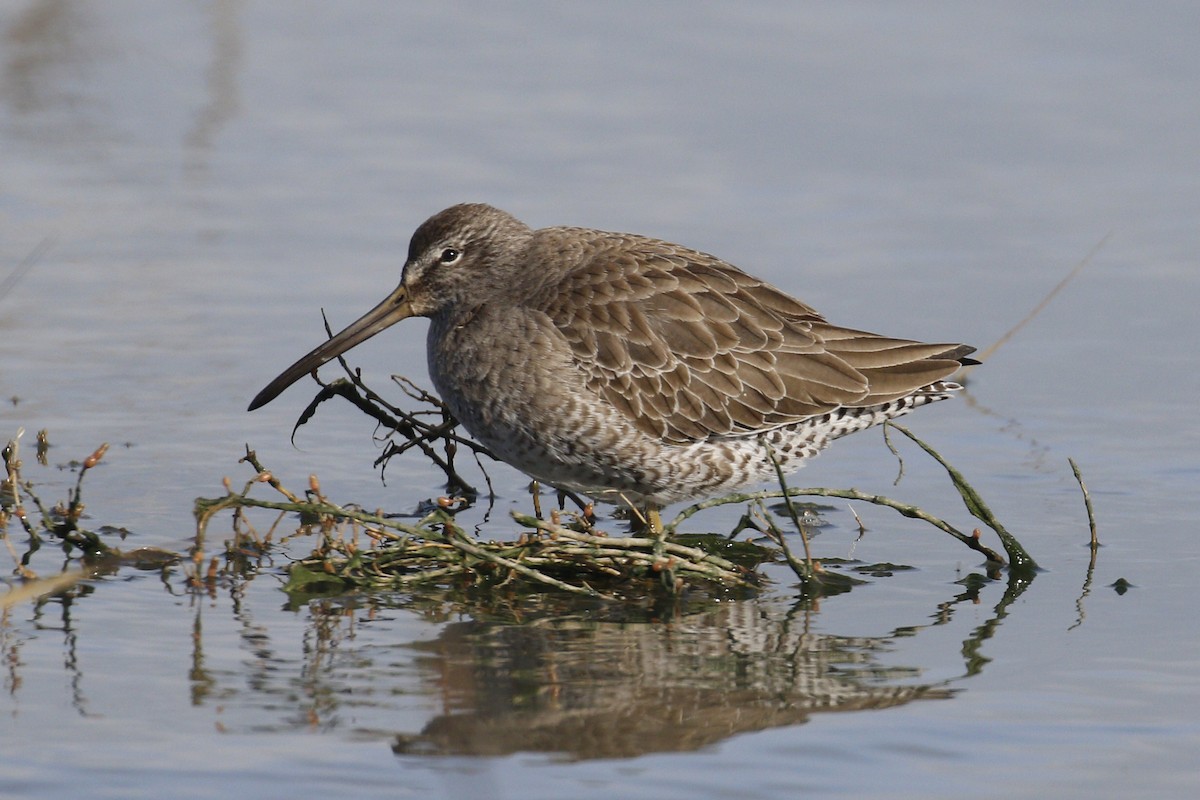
(450, 258)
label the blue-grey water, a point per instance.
(184, 186)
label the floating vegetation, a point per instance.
(61, 523)
(358, 549)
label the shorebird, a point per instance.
(629, 368)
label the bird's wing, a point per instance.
(690, 347)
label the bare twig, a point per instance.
(905, 509)
(1087, 502)
(987, 353)
(887, 440)
(9, 282)
(804, 570)
(458, 539)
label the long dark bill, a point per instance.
(394, 308)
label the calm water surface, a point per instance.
(184, 187)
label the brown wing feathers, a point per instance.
(690, 347)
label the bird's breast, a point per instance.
(497, 370)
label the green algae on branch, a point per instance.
(1019, 560)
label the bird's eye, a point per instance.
(450, 255)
